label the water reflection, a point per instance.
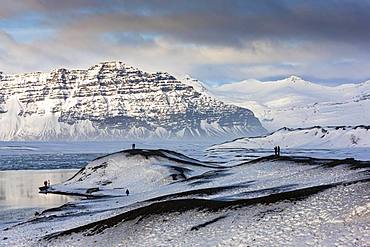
(19, 189)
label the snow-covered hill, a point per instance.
(338, 137)
(294, 102)
(113, 100)
(176, 200)
(139, 170)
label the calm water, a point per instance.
(19, 197)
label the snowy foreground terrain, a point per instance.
(176, 200)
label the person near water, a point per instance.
(127, 192)
(45, 187)
(278, 150)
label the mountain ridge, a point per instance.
(294, 102)
(112, 100)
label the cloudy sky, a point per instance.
(212, 40)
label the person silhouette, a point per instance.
(278, 150)
(127, 192)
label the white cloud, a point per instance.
(218, 41)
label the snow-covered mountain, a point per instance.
(309, 138)
(294, 102)
(114, 100)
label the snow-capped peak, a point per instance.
(294, 79)
(196, 84)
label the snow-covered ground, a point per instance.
(176, 200)
(336, 217)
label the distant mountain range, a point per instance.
(112, 100)
(294, 102)
(310, 138)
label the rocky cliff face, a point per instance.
(112, 100)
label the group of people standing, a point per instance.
(277, 150)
